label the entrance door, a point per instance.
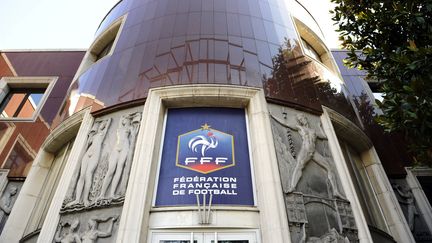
(175, 238)
(204, 237)
(231, 237)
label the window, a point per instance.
(3, 130)
(21, 98)
(21, 102)
(102, 46)
(426, 184)
(47, 171)
(418, 212)
(50, 185)
(314, 47)
(363, 187)
(376, 90)
(310, 51)
(105, 51)
(19, 160)
(6, 130)
(204, 237)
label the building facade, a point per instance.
(201, 121)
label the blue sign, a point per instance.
(205, 151)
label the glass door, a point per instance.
(204, 237)
(176, 238)
(230, 237)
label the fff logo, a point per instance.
(205, 150)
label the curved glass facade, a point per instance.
(209, 119)
(232, 42)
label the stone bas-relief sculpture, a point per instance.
(331, 237)
(6, 200)
(90, 235)
(126, 133)
(6, 204)
(98, 187)
(316, 206)
(93, 233)
(406, 198)
(71, 235)
(90, 161)
(306, 154)
(104, 166)
(411, 211)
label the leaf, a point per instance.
(391, 41)
(421, 20)
(412, 46)
(407, 88)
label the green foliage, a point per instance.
(392, 41)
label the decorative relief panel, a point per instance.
(411, 211)
(90, 227)
(7, 199)
(317, 208)
(93, 204)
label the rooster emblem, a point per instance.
(206, 143)
(205, 150)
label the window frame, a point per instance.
(106, 50)
(10, 128)
(259, 129)
(206, 235)
(337, 126)
(109, 36)
(10, 83)
(19, 141)
(37, 178)
(310, 50)
(51, 182)
(305, 34)
(361, 179)
(420, 197)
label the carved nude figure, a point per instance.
(135, 121)
(330, 237)
(6, 201)
(406, 197)
(118, 157)
(71, 236)
(89, 163)
(92, 234)
(308, 153)
(6, 205)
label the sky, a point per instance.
(71, 24)
(320, 10)
(50, 24)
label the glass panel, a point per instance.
(11, 104)
(231, 241)
(176, 241)
(310, 51)
(53, 180)
(363, 187)
(19, 162)
(426, 183)
(21, 103)
(27, 110)
(36, 98)
(105, 50)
